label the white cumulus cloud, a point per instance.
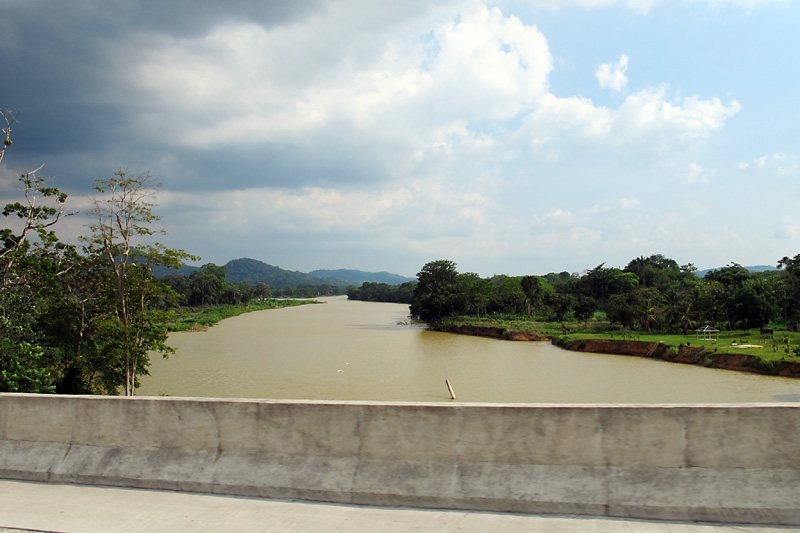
(612, 76)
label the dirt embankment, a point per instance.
(495, 333)
(654, 350)
(685, 355)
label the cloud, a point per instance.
(747, 4)
(412, 128)
(638, 5)
(789, 228)
(383, 98)
(648, 120)
(612, 76)
(644, 6)
(695, 174)
(781, 163)
(392, 92)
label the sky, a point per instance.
(512, 137)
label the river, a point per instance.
(349, 350)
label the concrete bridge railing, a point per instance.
(722, 463)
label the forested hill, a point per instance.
(757, 268)
(358, 277)
(253, 272)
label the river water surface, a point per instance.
(349, 350)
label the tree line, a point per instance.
(382, 292)
(650, 293)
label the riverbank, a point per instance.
(202, 318)
(690, 355)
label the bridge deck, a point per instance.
(53, 507)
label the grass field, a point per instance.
(777, 347)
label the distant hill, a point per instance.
(757, 268)
(184, 270)
(253, 271)
(358, 277)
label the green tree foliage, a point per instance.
(788, 290)
(536, 290)
(585, 308)
(207, 286)
(30, 260)
(601, 282)
(655, 271)
(24, 367)
(262, 291)
(651, 293)
(510, 296)
(437, 294)
(36, 218)
(382, 292)
(477, 293)
(754, 304)
(119, 240)
(731, 276)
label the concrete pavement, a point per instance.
(66, 508)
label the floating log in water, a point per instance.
(450, 388)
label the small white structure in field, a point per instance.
(707, 331)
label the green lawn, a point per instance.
(777, 347)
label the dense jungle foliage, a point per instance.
(650, 294)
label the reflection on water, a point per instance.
(346, 350)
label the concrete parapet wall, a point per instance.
(723, 463)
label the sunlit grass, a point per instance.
(777, 347)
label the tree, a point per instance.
(535, 289)
(654, 271)
(510, 296)
(9, 117)
(731, 276)
(37, 217)
(263, 291)
(436, 294)
(477, 293)
(790, 286)
(561, 303)
(585, 308)
(25, 362)
(754, 304)
(122, 220)
(207, 285)
(601, 283)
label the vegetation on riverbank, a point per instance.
(748, 350)
(86, 319)
(753, 316)
(200, 318)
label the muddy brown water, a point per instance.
(348, 350)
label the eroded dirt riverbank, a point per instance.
(652, 350)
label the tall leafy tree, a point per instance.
(123, 223)
(754, 304)
(789, 289)
(477, 293)
(437, 294)
(27, 243)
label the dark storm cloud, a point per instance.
(56, 65)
